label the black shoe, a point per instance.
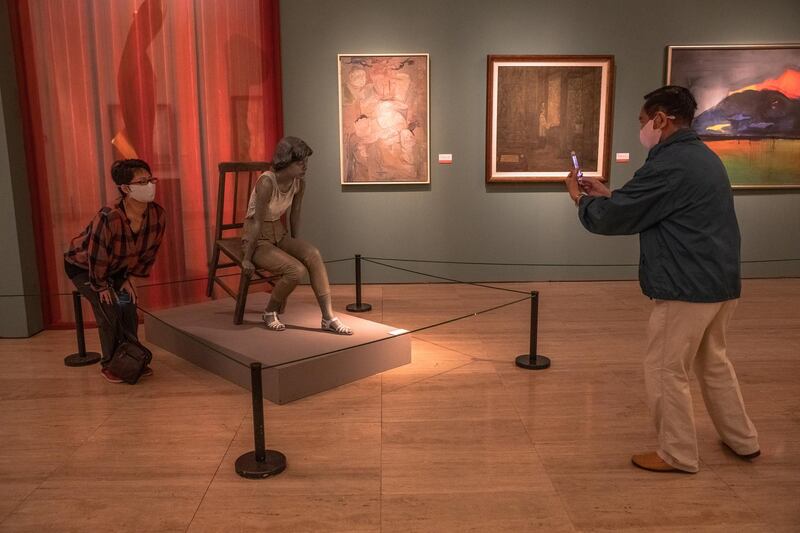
(745, 456)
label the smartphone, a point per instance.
(123, 298)
(576, 164)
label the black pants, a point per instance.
(117, 318)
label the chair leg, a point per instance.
(241, 300)
(212, 271)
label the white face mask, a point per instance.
(144, 193)
(649, 135)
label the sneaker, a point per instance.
(110, 376)
(147, 372)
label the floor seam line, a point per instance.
(214, 476)
(538, 455)
(56, 469)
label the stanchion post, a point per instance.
(259, 443)
(82, 357)
(359, 306)
(259, 463)
(532, 360)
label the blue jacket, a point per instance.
(681, 204)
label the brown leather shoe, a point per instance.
(651, 461)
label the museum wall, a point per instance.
(458, 217)
(20, 303)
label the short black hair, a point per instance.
(122, 170)
(289, 150)
(672, 100)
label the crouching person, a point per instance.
(119, 245)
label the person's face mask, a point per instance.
(142, 192)
(649, 135)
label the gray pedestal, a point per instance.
(205, 335)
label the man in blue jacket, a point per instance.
(681, 205)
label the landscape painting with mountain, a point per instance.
(748, 110)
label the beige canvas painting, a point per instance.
(383, 119)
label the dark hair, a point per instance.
(122, 171)
(672, 100)
(289, 150)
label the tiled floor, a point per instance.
(459, 440)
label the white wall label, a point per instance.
(445, 159)
(623, 157)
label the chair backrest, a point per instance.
(236, 180)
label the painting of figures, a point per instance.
(383, 119)
(539, 109)
(748, 108)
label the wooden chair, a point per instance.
(233, 176)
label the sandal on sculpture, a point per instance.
(335, 325)
(272, 322)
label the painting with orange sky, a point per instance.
(748, 110)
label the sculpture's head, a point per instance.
(291, 157)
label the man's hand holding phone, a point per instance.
(594, 187)
(573, 186)
(576, 166)
(574, 181)
(579, 185)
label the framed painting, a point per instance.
(539, 109)
(384, 119)
(748, 108)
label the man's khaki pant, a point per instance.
(682, 335)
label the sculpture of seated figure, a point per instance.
(267, 245)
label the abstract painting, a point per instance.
(539, 109)
(383, 118)
(748, 108)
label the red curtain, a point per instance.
(183, 83)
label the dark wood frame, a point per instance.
(605, 153)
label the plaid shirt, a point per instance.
(108, 247)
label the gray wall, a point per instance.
(458, 217)
(20, 303)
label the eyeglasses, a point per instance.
(144, 181)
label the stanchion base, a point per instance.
(247, 466)
(76, 359)
(359, 308)
(539, 362)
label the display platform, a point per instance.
(199, 332)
